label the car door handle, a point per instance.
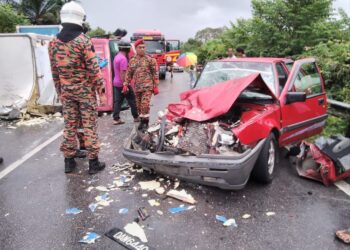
(320, 101)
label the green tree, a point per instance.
(290, 24)
(333, 57)
(97, 32)
(212, 50)
(9, 19)
(207, 34)
(192, 45)
(40, 11)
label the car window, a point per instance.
(308, 80)
(220, 71)
(282, 76)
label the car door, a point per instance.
(303, 103)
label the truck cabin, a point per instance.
(154, 41)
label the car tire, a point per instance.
(266, 163)
(162, 76)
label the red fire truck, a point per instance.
(158, 48)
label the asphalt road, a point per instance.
(35, 195)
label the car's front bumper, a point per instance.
(226, 172)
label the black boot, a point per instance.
(141, 124)
(69, 165)
(145, 124)
(95, 165)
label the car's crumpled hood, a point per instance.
(207, 103)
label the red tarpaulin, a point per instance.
(207, 103)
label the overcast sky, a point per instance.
(179, 19)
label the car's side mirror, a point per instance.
(295, 97)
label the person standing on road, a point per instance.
(143, 71)
(77, 77)
(192, 73)
(120, 65)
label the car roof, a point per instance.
(257, 59)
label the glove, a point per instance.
(155, 91)
(125, 89)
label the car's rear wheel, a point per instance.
(265, 166)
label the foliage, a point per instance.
(287, 26)
(213, 49)
(40, 11)
(194, 46)
(9, 19)
(97, 32)
(333, 59)
(207, 34)
(335, 125)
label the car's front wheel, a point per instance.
(265, 166)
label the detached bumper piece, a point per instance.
(327, 161)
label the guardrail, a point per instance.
(341, 110)
(339, 106)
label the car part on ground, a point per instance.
(327, 161)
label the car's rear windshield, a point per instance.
(220, 71)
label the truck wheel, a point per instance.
(265, 165)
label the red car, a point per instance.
(232, 124)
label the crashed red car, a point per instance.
(232, 124)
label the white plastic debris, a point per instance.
(246, 216)
(57, 114)
(161, 114)
(32, 122)
(181, 195)
(103, 200)
(230, 222)
(135, 230)
(173, 130)
(144, 195)
(102, 188)
(149, 185)
(154, 129)
(154, 203)
(270, 213)
(159, 212)
(160, 190)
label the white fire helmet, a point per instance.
(73, 12)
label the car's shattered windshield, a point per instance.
(216, 72)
